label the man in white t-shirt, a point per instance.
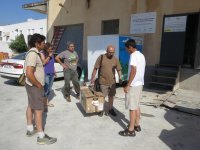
(133, 89)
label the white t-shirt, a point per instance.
(137, 59)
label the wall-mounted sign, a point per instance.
(143, 23)
(175, 24)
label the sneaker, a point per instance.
(106, 113)
(68, 98)
(46, 140)
(78, 96)
(100, 114)
(31, 133)
(112, 112)
(45, 109)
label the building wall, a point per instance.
(9, 32)
(76, 12)
(91, 17)
(152, 43)
(1, 33)
(4, 47)
(190, 79)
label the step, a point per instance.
(172, 75)
(161, 76)
(166, 69)
(165, 73)
(58, 33)
(163, 80)
(168, 65)
(61, 28)
(55, 42)
(56, 39)
(165, 84)
(59, 36)
(161, 86)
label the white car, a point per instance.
(12, 68)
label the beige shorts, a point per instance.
(132, 98)
(108, 90)
(36, 98)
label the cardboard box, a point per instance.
(91, 101)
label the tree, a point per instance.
(18, 45)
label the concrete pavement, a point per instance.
(162, 128)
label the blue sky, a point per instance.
(11, 12)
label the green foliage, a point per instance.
(18, 45)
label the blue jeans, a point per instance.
(49, 78)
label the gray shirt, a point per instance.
(70, 59)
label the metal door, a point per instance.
(173, 42)
(197, 53)
(73, 33)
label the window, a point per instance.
(110, 27)
(0, 35)
(16, 33)
(41, 30)
(7, 38)
(29, 31)
(29, 37)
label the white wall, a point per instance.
(4, 47)
(1, 33)
(9, 32)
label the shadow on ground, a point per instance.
(11, 82)
(185, 135)
(120, 118)
(79, 106)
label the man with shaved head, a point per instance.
(106, 65)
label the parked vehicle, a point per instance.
(12, 68)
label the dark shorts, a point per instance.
(36, 98)
(108, 90)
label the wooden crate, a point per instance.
(91, 101)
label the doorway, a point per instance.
(190, 40)
(181, 40)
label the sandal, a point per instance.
(127, 133)
(136, 128)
